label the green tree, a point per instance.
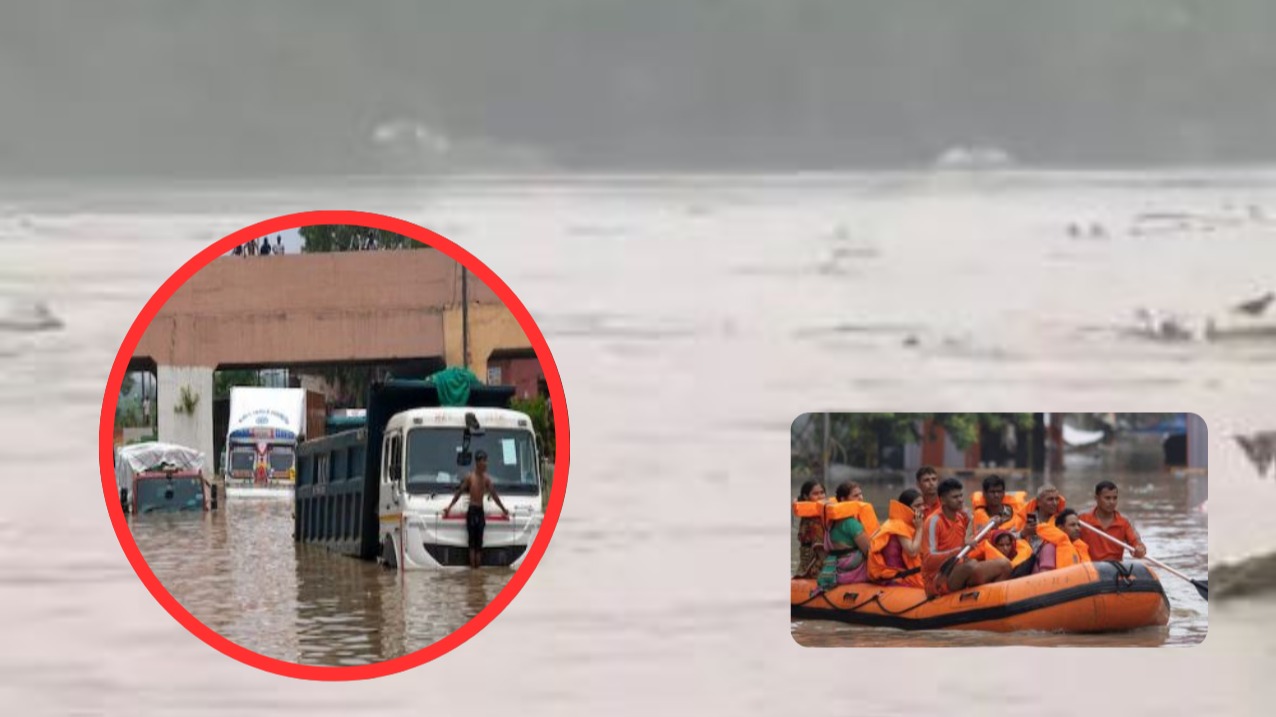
(353, 382)
(965, 428)
(225, 380)
(541, 412)
(349, 237)
(128, 413)
(349, 383)
(856, 438)
(128, 384)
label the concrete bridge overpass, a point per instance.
(313, 309)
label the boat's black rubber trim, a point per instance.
(1114, 578)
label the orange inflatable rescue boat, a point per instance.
(1090, 597)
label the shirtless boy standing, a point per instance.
(478, 483)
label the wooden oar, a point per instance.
(951, 563)
(1202, 586)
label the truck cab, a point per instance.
(162, 477)
(265, 426)
(426, 454)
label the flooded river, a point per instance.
(1163, 508)
(239, 572)
(692, 320)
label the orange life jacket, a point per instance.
(861, 511)
(979, 510)
(987, 551)
(808, 509)
(899, 524)
(1066, 552)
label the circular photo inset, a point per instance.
(334, 445)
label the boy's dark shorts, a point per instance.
(475, 521)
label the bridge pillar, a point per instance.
(187, 426)
(492, 327)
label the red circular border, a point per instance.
(292, 669)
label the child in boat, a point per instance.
(894, 556)
(810, 533)
(1003, 543)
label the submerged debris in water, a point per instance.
(29, 317)
(1167, 327)
(1261, 450)
(1254, 307)
(1255, 576)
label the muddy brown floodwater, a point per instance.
(238, 570)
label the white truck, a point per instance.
(426, 454)
(377, 491)
(265, 425)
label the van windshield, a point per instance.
(432, 452)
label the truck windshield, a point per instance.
(242, 459)
(280, 459)
(181, 493)
(431, 461)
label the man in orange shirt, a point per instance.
(944, 534)
(927, 483)
(1106, 518)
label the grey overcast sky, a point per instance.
(285, 87)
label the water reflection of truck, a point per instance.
(378, 492)
(265, 425)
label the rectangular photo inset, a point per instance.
(994, 529)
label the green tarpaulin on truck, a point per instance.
(453, 385)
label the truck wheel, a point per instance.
(388, 557)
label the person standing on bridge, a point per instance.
(279, 245)
(478, 484)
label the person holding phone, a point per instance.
(894, 556)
